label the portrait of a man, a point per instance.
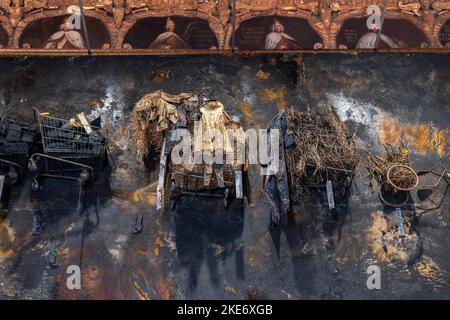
(169, 40)
(277, 39)
(369, 39)
(66, 38)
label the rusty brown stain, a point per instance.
(140, 293)
(96, 103)
(161, 285)
(261, 74)
(276, 95)
(248, 113)
(164, 286)
(160, 74)
(142, 195)
(7, 239)
(423, 137)
(142, 252)
(98, 281)
(440, 141)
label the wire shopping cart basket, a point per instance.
(224, 182)
(70, 150)
(16, 141)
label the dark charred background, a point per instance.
(201, 250)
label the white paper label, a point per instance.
(330, 195)
(239, 187)
(398, 213)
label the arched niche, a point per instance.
(253, 33)
(3, 38)
(403, 32)
(444, 34)
(152, 33)
(37, 34)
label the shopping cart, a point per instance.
(224, 181)
(16, 141)
(221, 182)
(70, 151)
(340, 179)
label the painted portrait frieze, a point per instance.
(276, 33)
(59, 33)
(397, 33)
(171, 33)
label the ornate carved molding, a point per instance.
(325, 16)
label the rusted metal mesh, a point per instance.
(188, 181)
(323, 149)
(396, 162)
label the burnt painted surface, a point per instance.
(201, 250)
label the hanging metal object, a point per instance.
(381, 23)
(83, 21)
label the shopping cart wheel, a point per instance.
(240, 203)
(13, 175)
(173, 196)
(347, 182)
(344, 190)
(84, 177)
(32, 166)
(226, 198)
(35, 185)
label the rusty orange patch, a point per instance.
(263, 74)
(424, 138)
(96, 103)
(140, 293)
(143, 195)
(7, 237)
(164, 288)
(277, 95)
(248, 112)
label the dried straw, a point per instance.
(321, 146)
(401, 175)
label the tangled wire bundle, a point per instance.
(394, 172)
(322, 149)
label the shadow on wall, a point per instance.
(50, 33)
(444, 34)
(3, 37)
(206, 233)
(171, 33)
(401, 32)
(277, 33)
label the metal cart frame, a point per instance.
(66, 144)
(442, 174)
(345, 185)
(229, 190)
(19, 138)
